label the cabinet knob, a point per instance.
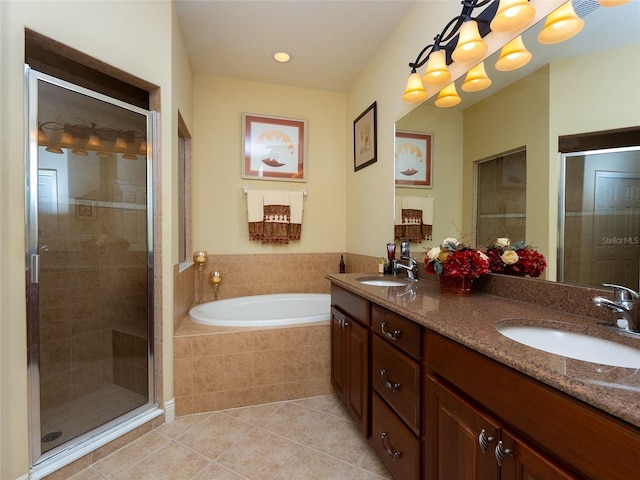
(501, 452)
(388, 383)
(484, 440)
(394, 455)
(393, 336)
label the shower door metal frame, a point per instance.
(36, 456)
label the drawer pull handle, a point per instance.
(394, 387)
(484, 440)
(394, 455)
(501, 452)
(344, 324)
(393, 336)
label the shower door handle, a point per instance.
(35, 268)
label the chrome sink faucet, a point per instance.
(624, 306)
(411, 267)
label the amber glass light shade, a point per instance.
(415, 91)
(42, 137)
(437, 72)
(513, 55)
(561, 25)
(471, 47)
(476, 79)
(612, 3)
(94, 142)
(120, 145)
(512, 15)
(448, 96)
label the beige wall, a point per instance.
(220, 212)
(113, 33)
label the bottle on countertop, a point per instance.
(381, 264)
(343, 267)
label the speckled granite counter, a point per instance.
(472, 322)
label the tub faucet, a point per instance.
(411, 267)
(624, 306)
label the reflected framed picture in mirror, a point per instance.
(413, 159)
(365, 142)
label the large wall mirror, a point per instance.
(585, 84)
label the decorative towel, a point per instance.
(274, 216)
(414, 218)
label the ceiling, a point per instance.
(330, 41)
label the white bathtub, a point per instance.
(264, 310)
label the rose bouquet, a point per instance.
(456, 259)
(515, 259)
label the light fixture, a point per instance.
(471, 47)
(281, 57)
(415, 91)
(561, 25)
(512, 15)
(121, 144)
(612, 3)
(477, 79)
(448, 96)
(513, 55)
(437, 72)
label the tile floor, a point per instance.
(306, 439)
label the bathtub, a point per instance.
(264, 310)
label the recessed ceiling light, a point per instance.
(282, 57)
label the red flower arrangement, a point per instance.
(456, 259)
(517, 259)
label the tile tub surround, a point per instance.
(311, 438)
(216, 368)
(472, 320)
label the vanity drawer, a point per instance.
(399, 331)
(350, 303)
(396, 377)
(394, 443)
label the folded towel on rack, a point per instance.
(414, 218)
(275, 216)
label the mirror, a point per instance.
(584, 84)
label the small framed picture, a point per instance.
(365, 142)
(85, 209)
(413, 162)
(274, 148)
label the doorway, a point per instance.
(89, 264)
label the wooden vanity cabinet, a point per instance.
(350, 354)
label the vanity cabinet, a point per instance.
(350, 354)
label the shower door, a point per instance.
(89, 264)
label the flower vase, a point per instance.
(456, 285)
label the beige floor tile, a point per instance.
(216, 472)
(338, 437)
(258, 455)
(323, 403)
(88, 474)
(308, 464)
(214, 435)
(181, 424)
(293, 422)
(173, 462)
(339, 410)
(364, 475)
(372, 463)
(126, 457)
(253, 415)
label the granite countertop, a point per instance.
(472, 322)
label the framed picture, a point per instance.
(274, 148)
(413, 159)
(85, 209)
(365, 142)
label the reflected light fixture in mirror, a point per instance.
(448, 96)
(561, 25)
(512, 15)
(513, 55)
(477, 79)
(612, 3)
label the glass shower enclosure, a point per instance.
(89, 264)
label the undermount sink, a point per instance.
(573, 345)
(381, 282)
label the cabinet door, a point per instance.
(357, 374)
(459, 440)
(522, 462)
(338, 351)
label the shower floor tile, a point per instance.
(279, 441)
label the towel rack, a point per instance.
(246, 189)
